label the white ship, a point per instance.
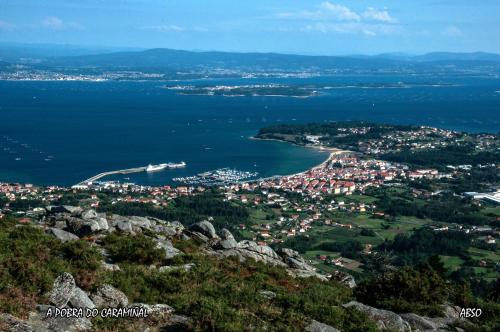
(159, 167)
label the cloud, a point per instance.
(337, 18)
(172, 28)
(340, 12)
(55, 23)
(378, 15)
(365, 29)
(452, 31)
(326, 11)
(164, 28)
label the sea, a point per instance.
(60, 133)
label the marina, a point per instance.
(222, 176)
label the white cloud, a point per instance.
(326, 11)
(452, 31)
(340, 12)
(378, 15)
(55, 23)
(164, 28)
(365, 29)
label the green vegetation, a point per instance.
(30, 261)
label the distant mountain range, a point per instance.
(161, 59)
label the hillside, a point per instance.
(190, 278)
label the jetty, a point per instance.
(149, 168)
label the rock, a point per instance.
(262, 250)
(41, 323)
(316, 326)
(420, 323)
(62, 290)
(83, 227)
(89, 214)
(177, 323)
(110, 267)
(307, 274)
(451, 311)
(205, 228)
(102, 223)
(74, 210)
(108, 296)
(267, 294)
(170, 250)
(160, 310)
(80, 299)
(185, 267)
(124, 226)
(385, 319)
(227, 240)
(9, 323)
(344, 278)
(62, 235)
(293, 259)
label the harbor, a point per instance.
(149, 168)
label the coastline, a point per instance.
(332, 152)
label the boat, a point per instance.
(154, 168)
(159, 167)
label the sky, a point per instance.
(336, 27)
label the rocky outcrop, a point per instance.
(227, 240)
(385, 319)
(388, 320)
(10, 323)
(61, 235)
(80, 299)
(62, 290)
(344, 278)
(168, 247)
(40, 322)
(185, 267)
(205, 228)
(108, 296)
(293, 259)
(316, 326)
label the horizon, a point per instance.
(335, 28)
(107, 49)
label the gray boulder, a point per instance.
(160, 310)
(205, 228)
(108, 296)
(385, 319)
(124, 226)
(74, 210)
(61, 235)
(80, 299)
(83, 227)
(168, 247)
(306, 274)
(267, 294)
(316, 326)
(185, 267)
(89, 214)
(227, 240)
(10, 323)
(62, 290)
(344, 278)
(39, 322)
(419, 323)
(110, 267)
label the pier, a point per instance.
(149, 168)
(103, 174)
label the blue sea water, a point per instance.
(64, 132)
